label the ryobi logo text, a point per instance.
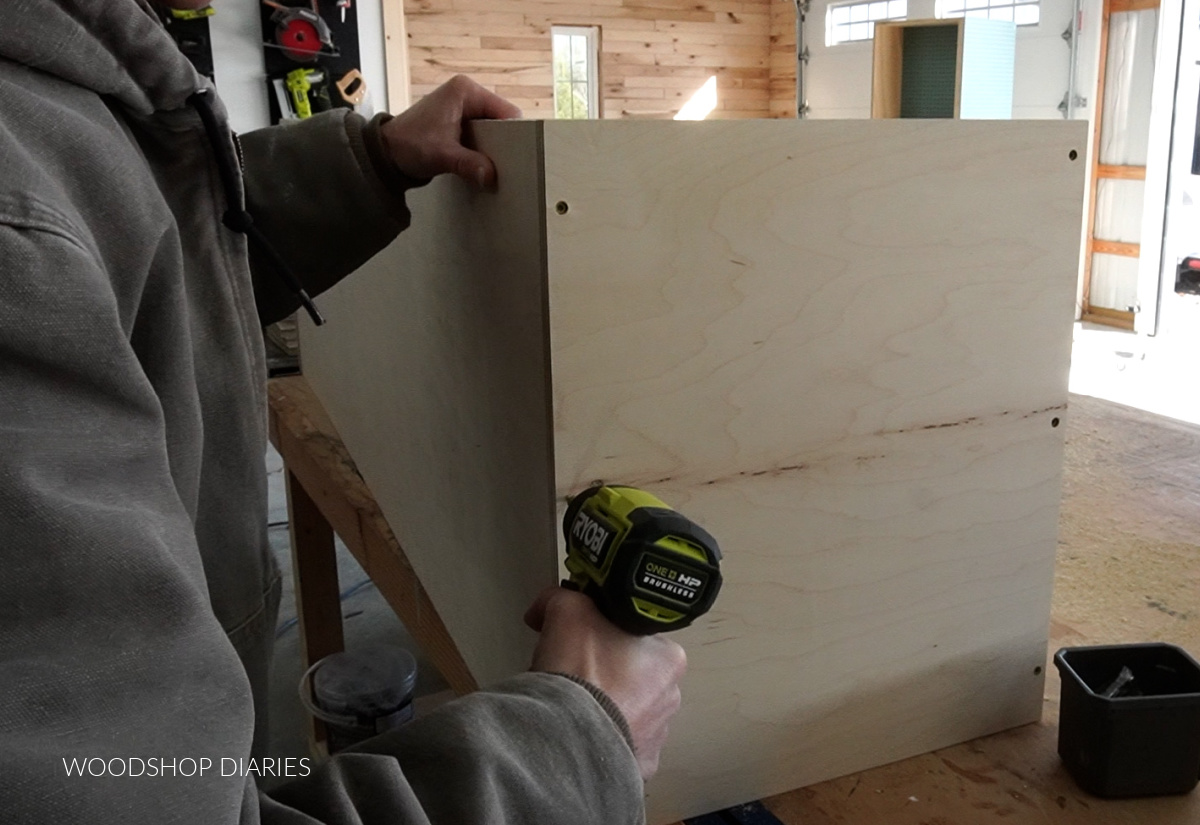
(593, 536)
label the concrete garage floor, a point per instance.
(1129, 531)
(1129, 537)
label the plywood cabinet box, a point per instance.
(950, 67)
(840, 346)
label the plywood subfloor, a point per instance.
(1128, 571)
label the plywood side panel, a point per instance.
(433, 367)
(842, 347)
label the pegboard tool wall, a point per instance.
(336, 62)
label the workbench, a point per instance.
(1014, 776)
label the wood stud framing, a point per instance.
(1102, 171)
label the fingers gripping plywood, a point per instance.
(840, 346)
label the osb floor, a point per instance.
(1128, 571)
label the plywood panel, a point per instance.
(842, 347)
(848, 366)
(433, 369)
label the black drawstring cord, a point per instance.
(236, 217)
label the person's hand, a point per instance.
(639, 673)
(426, 139)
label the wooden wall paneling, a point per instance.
(433, 369)
(653, 40)
(782, 75)
(847, 366)
(816, 339)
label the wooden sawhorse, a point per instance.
(326, 495)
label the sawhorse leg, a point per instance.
(318, 604)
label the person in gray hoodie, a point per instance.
(141, 248)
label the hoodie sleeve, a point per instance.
(537, 749)
(322, 192)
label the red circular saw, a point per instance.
(301, 33)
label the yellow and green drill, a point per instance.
(648, 568)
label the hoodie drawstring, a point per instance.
(236, 217)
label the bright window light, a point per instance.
(847, 22)
(701, 103)
(576, 56)
(1021, 12)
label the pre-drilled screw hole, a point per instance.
(561, 207)
(1072, 154)
(1053, 422)
(1037, 671)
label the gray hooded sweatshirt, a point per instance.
(137, 593)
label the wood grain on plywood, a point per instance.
(1127, 572)
(844, 363)
(433, 367)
